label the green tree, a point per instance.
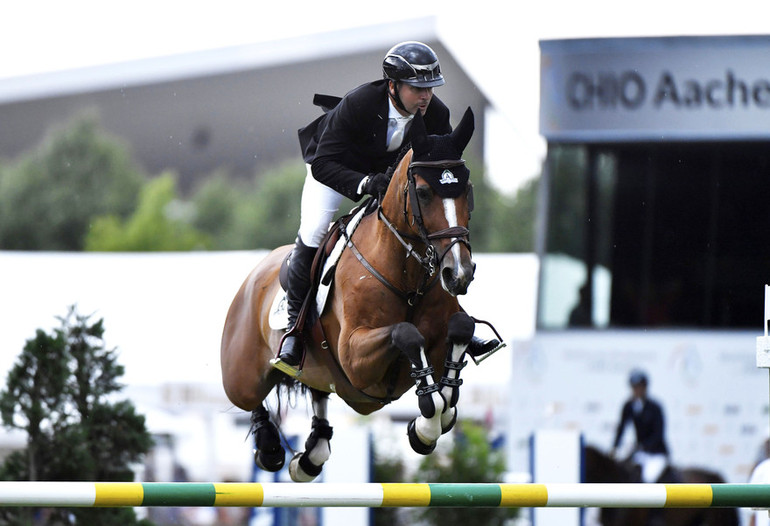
(215, 203)
(160, 222)
(472, 459)
(265, 213)
(48, 198)
(501, 222)
(261, 214)
(522, 217)
(80, 190)
(60, 392)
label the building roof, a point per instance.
(218, 61)
(235, 108)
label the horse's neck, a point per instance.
(379, 244)
(387, 246)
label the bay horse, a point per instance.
(600, 467)
(386, 324)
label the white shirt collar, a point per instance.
(394, 114)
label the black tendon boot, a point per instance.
(298, 285)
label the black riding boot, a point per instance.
(298, 285)
(478, 347)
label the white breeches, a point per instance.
(653, 465)
(318, 206)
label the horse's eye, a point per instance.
(424, 194)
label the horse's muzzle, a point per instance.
(456, 275)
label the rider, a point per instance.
(651, 452)
(348, 151)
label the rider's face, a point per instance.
(414, 98)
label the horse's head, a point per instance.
(438, 199)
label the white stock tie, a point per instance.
(397, 137)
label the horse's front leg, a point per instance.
(459, 333)
(306, 466)
(425, 430)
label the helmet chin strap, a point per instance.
(395, 96)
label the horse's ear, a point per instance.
(419, 133)
(461, 135)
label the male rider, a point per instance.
(348, 151)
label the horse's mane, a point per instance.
(401, 154)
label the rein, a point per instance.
(431, 260)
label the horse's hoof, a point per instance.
(270, 461)
(450, 415)
(297, 468)
(418, 445)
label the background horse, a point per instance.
(600, 467)
(391, 320)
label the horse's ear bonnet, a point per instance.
(448, 179)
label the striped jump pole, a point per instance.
(376, 495)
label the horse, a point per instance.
(600, 467)
(386, 325)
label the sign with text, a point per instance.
(655, 89)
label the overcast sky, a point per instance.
(45, 35)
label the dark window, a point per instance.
(656, 235)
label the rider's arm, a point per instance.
(338, 159)
(625, 415)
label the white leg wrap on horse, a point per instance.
(453, 374)
(320, 453)
(447, 417)
(429, 429)
(428, 426)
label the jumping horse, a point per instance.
(386, 325)
(600, 467)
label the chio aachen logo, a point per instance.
(628, 90)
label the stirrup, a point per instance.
(288, 369)
(480, 358)
(285, 368)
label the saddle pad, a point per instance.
(279, 312)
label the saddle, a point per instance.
(325, 261)
(322, 275)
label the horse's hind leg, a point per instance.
(459, 333)
(270, 454)
(306, 466)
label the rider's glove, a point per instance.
(375, 184)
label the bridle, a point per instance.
(459, 233)
(431, 259)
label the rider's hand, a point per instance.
(376, 184)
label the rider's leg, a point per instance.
(297, 287)
(318, 206)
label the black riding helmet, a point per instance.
(637, 377)
(412, 63)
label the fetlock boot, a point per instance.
(298, 285)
